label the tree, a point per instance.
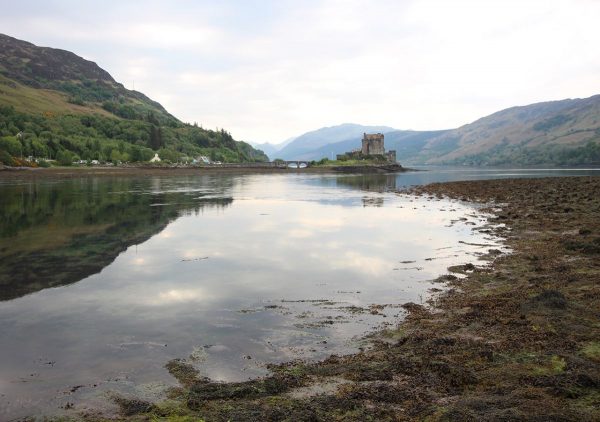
(115, 156)
(38, 149)
(65, 158)
(156, 141)
(11, 145)
(168, 155)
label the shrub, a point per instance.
(5, 158)
(65, 158)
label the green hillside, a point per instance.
(56, 105)
(563, 132)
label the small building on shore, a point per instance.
(155, 159)
(372, 147)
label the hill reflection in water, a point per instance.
(54, 234)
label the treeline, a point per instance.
(68, 138)
(558, 155)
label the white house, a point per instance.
(201, 159)
(156, 158)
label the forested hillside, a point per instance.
(56, 105)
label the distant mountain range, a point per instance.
(563, 132)
(271, 149)
(57, 105)
(305, 146)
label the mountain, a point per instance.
(303, 147)
(565, 132)
(83, 81)
(407, 143)
(271, 149)
(557, 132)
(64, 107)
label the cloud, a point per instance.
(178, 296)
(270, 70)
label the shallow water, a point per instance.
(103, 281)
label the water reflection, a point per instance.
(57, 234)
(209, 269)
(371, 183)
(372, 202)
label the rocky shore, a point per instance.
(517, 340)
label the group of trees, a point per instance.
(67, 138)
(588, 154)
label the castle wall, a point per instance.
(376, 147)
(372, 144)
(365, 146)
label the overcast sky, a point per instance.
(269, 70)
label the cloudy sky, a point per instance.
(269, 70)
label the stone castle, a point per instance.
(372, 145)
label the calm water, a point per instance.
(103, 281)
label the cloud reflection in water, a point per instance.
(229, 276)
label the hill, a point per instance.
(57, 105)
(563, 132)
(407, 143)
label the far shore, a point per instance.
(98, 171)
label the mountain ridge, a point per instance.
(532, 134)
(560, 132)
(64, 71)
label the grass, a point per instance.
(556, 365)
(44, 101)
(592, 350)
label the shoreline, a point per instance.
(518, 340)
(99, 171)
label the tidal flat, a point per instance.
(518, 340)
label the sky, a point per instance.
(270, 70)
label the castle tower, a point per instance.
(372, 144)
